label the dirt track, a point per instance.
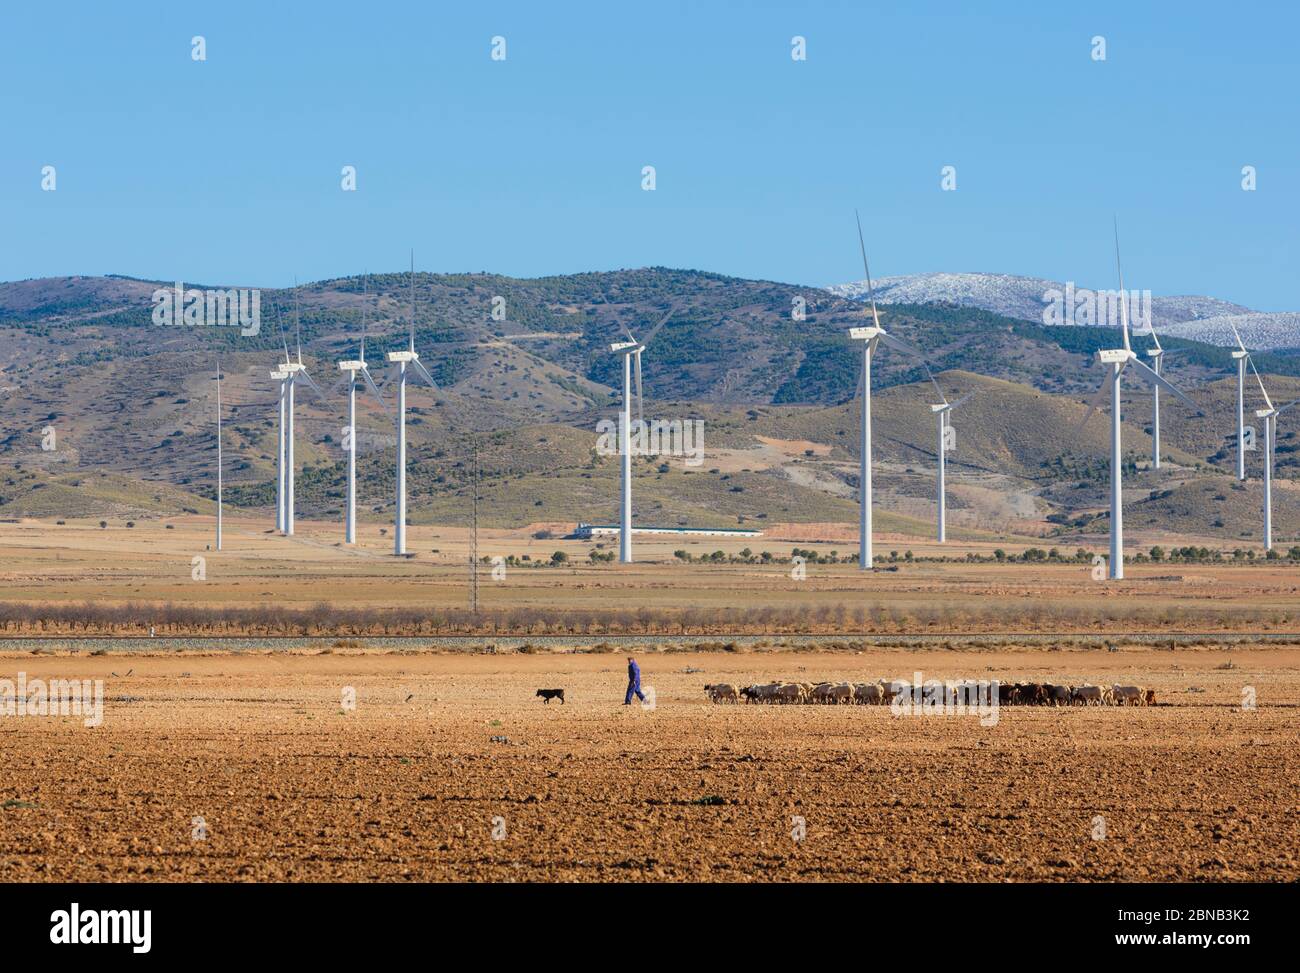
(291, 787)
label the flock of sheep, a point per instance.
(883, 693)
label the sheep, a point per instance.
(789, 692)
(1127, 695)
(1087, 695)
(868, 693)
(1059, 695)
(722, 693)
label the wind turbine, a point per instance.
(631, 352)
(295, 371)
(281, 375)
(1242, 357)
(218, 452)
(943, 415)
(1119, 359)
(1269, 415)
(402, 359)
(1157, 356)
(353, 367)
(870, 338)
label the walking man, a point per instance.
(633, 682)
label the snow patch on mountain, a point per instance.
(1259, 330)
(1019, 297)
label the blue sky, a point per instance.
(228, 171)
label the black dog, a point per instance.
(550, 694)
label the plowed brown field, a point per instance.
(291, 786)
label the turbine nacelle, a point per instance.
(1113, 356)
(402, 356)
(279, 374)
(865, 334)
(1241, 354)
(351, 366)
(626, 347)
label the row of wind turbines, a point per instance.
(289, 374)
(873, 337)
(1118, 361)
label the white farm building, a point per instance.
(593, 530)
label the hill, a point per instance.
(133, 404)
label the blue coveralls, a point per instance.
(633, 683)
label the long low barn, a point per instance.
(590, 530)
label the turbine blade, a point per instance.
(1236, 334)
(374, 390)
(930, 375)
(297, 321)
(279, 318)
(365, 307)
(1289, 405)
(412, 300)
(423, 372)
(662, 321)
(858, 392)
(1260, 380)
(1123, 297)
(871, 293)
(964, 398)
(311, 384)
(1094, 404)
(1149, 373)
(1151, 326)
(890, 341)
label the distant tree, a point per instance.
(559, 557)
(1157, 553)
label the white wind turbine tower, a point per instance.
(631, 352)
(1119, 359)
(870, 338)
(402, 359)
(353, 367)
(943, 415)
(218, 452)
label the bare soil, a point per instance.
(410, 784)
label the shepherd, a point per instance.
(633, 682)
